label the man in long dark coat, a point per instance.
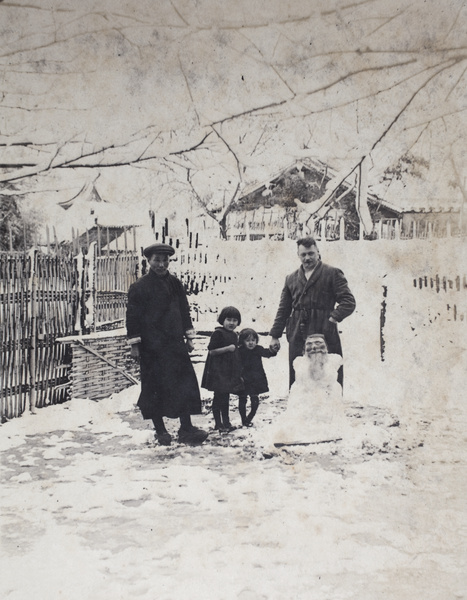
(314, 299)
(161, 333)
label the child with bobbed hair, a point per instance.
(222, 371)
(253, 375)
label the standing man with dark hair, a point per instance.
(161, 335)
(314, 299)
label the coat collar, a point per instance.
(158, 277)
(314, 276)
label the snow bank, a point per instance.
(94, 509)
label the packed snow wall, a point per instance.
(411, 314)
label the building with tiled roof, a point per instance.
(296, 202)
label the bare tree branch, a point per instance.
(358, 72)
(348, 62)
(460, 184)
(406, 105)
(347, 7)
(250, 112)
(187, 83)
(268, 64)
(182, 18)
(456, 84)
(462, 7)
(434, 119)
(419, 136)
(387, 21)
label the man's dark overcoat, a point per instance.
(306, 305)
(159, 314)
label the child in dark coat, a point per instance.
(222, 371)
(253, 375)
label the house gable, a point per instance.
(295, 192)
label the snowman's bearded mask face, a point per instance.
(315, 345)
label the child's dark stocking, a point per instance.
(216, 410)
(216, 413)
(242, 408)
(224, 406)
(254, 407)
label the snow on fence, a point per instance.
(100, 365)
(114, 275)
(44, 297)
(38, 301)
(444, 296)
(280, 223)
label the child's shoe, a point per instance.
(228, 428)
(193, 436)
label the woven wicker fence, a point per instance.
(114, 275)
(44, 297)
(101, 365)
(38, 303)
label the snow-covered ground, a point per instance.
(94, 509)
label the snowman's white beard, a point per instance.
(317, 361)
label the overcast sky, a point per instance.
(249, 86)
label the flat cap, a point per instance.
(158, 249)
(315, 335)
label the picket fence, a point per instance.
(443, 297)
(46, 297)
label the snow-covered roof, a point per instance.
(321, 167)
(309, 163)
(88, 193)
(88, 208)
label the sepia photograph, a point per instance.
(233, 300)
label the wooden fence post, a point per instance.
(397, 230)
(56, 241)
(33, 345)
(91, 318)
(99, 240)
(78, 261)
